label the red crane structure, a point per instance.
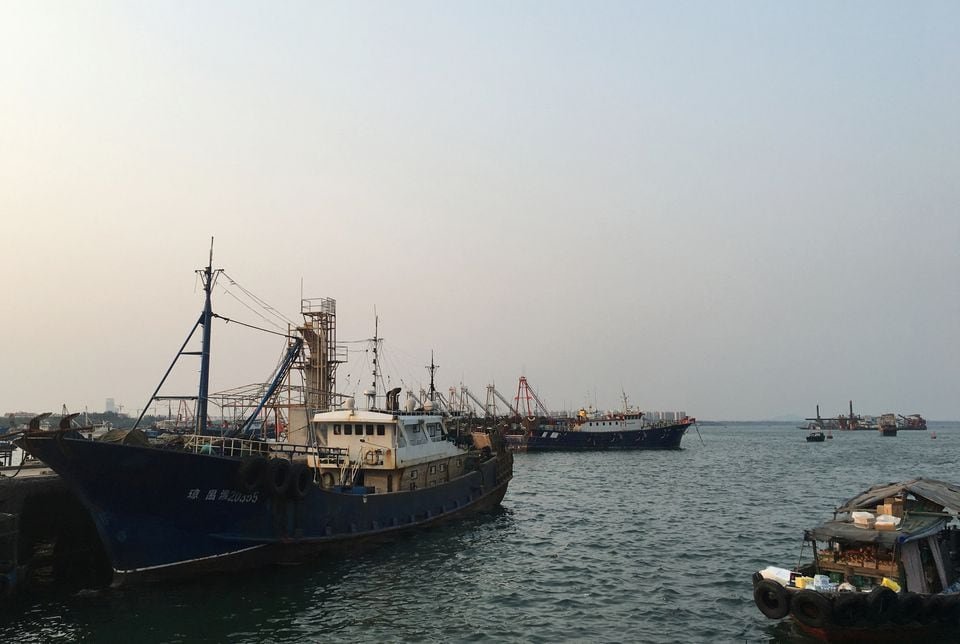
(527, 401)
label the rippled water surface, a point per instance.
(604, 547)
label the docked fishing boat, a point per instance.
(225, 498)
(885, 568)
(608, 431)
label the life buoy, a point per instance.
(849, 608)
(881, 605)
(811, 608)
(772, 599)
(277, 479)
(909, 606)
(327, 480)
(370, 458)
(250, 473)
(301, 478)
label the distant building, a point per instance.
(111, 407)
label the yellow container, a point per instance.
(802, 582)
(891, 584)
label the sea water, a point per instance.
(588, 547)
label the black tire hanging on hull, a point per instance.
(930, 609)
(849, 608)
(301, 478)
(277, 480)
(811, 608)
(250, 473)
(772, 599)
(882, 605)
(908, 608)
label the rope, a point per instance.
(257, 328)
(259, 300)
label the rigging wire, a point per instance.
(260, 301)
(226, 291)
(250, 326)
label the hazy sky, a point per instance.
(737, 209)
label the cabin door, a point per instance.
(913, 567)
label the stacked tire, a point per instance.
(278, 477)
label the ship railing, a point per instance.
(238, 447)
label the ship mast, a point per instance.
(207, 276)
(432, 369)
(372, 392)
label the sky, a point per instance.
(735, 209)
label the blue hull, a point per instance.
(550, 438)
(165, 513)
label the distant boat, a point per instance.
(626, 430)
(816, 434)
(911, 421)
(887, 424)
(623, 431)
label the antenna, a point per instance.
(432, 369)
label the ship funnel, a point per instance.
(393, 399)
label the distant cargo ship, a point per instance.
(856, 422)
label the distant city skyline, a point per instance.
(740, 210)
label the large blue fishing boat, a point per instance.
(628, 431)
(224, 498)
(538, 430)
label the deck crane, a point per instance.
(526, 397)
(491, 404)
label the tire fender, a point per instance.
(882, 605)
(772, 599)
(301, 478)
(849, 608)
(811, 608)
(277, 479)
(250, 473)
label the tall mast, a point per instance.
(207, 277)
(432, 369)
(376, 341)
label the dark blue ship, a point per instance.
(220, 499)
(611, 431)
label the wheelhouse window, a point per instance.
(348, 430)
(369, 430)
(336, 429)
(381, 430)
